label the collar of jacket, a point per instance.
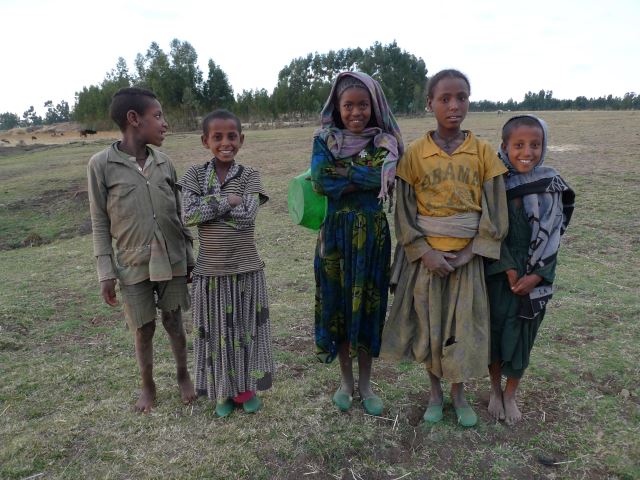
(114, 156)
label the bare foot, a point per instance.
(146, 399)
(346, 388)
(496, 407)
(512, 412)
(187, 392)
(365, 391)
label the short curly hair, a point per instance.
(518, 121)
(222, 114)
(129, 98)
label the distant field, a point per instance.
(69, 379)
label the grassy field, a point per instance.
(68, 378)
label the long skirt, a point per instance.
(232, 344)
(512, 338)
(352, 282)
(441, 322)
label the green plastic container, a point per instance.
(306, 207)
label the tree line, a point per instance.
(543, 100)
(301, 90)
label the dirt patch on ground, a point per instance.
(27, 139)
(48, 204)
(307, 466)
(299, 339)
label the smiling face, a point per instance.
(524, 147)
(449, 103)
(151, 125)
(223, 139)
(355, 109)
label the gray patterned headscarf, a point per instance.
(548, 202)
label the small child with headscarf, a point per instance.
(520, 283)
(353, 163)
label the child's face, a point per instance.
(450, 102)
(355, 109)
(223, 139)
(524, 147)
(152, 125)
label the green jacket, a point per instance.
(134, 209)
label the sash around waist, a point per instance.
(462, 225)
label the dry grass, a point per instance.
(69, 378)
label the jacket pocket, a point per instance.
(164, 200)
(121, 202)
(134, 256)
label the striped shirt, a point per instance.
(226, 233)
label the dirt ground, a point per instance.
(56, 134)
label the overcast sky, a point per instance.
(51, 49)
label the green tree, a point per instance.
(31, 118)
(255, 105)
(402, 75)
(304, 84)
(628, 100)
(216, 91)
(9, 120)
(187, 76)
(57, 114)
(92, 103)
(581, 103)
(154, 73)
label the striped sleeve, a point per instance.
(191, 179)
(254, 185)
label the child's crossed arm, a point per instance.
(198, 209)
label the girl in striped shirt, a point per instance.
(230, 308)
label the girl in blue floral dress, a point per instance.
(353, 163)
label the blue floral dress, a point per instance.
(352, 254)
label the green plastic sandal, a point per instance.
(373, 405)
(223, 409)
(342, 400)
(252, 405)
(433, 414)
(466, 416)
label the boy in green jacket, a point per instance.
(134, 199)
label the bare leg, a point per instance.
(457, 395)
(511, 410)
(347, 382)
(144, 356)
(435, 396)
(172, 322)
(364, 374)
(496, 407)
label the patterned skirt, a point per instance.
(232, 344)
(352, 282)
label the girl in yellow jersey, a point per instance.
(451, 211)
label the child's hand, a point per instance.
(108, 292)
(462, 257)
(512, 277)
(436, 262)
(189, 273)
(234, 200)
(526, 284)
